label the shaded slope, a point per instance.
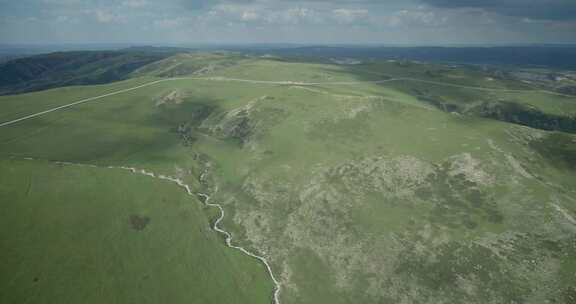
(71, 68)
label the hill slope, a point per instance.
(71, 68)
(97, 235)
(356, 191)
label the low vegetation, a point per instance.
(396, 192)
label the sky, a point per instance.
(386, 22)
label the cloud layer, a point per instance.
(298, 21)
(538, 9)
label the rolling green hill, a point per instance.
(371, 183)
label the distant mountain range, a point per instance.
(562, 57)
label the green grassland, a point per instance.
(399, 192)
(74, 234)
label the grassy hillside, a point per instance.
(95, 235)
(187, 64)
(474, 92)
(356, 193)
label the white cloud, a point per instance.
(414, 17)
(169, 23)
(61, 2)
(63, 19)
(250, 15)
(135, 3)
(300, 15)
(349, 15)
(105, 16)
(262, 15)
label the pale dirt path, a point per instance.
(79, 102)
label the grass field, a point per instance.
(74, 234)
(364, 193)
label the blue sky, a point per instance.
(420, 22)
